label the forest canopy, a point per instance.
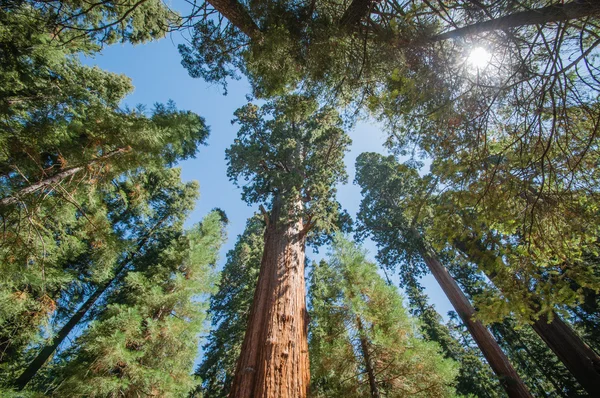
(487, 183)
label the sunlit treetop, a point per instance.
(289, 149)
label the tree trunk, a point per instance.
(58, 177)
(582, 361)
(578, 357)
(356, 11)
(509, 379)
(238, 16)
(273, 361)
(46, 352)
(540, 16)
(364, 347)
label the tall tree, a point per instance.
(159, 203)
(475, 377)
(145, 340)
(410, 196)
(229, 310)
(362, 340)
(289, 155)
(383, 217)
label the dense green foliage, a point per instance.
(92, 211)
(145, 340)
(291, 151)
(359, 328)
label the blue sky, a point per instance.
(158, 76)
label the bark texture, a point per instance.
(579, 358)
(509, 379)
(273, 361)
(235, 13)
(540, 16)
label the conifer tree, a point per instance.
(142, 207)
(145, 340)
(475, 377)
(362, 339)
(395, 225)
(289, 156)
(229, 310)
(64, 149)
(410, 197)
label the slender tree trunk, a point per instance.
(581, 360)
(273, 361)
(58, 177)
(540, 16)
(509, 379)
(364, 347)
(238, 16)
(46, 352)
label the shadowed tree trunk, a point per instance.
(509, 379)
(540, 16)
(356, 11)
(364, 347)
(581, 360)
(273, 362)
(58, 177)
(238, 16)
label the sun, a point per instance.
(479, 57)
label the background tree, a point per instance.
(362, 339)
(393, 221)
(145, 340)
(411, 200)
(141, 207)
(475, 377)
(289, 155)
(229, 310)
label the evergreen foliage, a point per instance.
(363, 343)
(145, 340)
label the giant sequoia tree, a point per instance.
(288, 155)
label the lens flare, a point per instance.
(479, 57)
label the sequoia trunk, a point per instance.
(273, 361)
(235, 13)
(509, 379)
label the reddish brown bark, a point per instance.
(273, 361)
(509, 379)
